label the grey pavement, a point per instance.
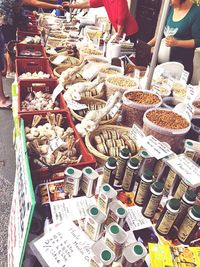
(7, 173)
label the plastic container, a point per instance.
(173, 69)
(111, 87)
(86, 51)
(21, 35)
(169, 102)
(36, 86)
(50, 172)
(132, 111)
(33, 49)
(104, 71)
(174, 137)
(33, 65)
(93, 32)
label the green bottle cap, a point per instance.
(125, 152)
(88, 170)
(121, 211)
(138, 250)
(114, 229)
(148, 174)
(189, 143)
(134, 162)
(144, 153)
(94, 211)
(158, 186)
(190, 195)
(174, 203)
(106, 255)
(112, 162)
(106, 188)
(196, 211)
(70, 171)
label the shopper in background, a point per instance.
(185, 16)
(118, 13)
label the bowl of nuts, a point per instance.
(86, 51)
(135, 103)
(107, 71)
(167, 126)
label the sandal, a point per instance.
(7, 104)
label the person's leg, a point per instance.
(4, 101)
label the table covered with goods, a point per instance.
(107, 170)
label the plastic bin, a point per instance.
(21, 35)
(132, 111)
(37, 85)
(39, 174)
(32, 48)
(33, 65)
(30, 28)
(174, 137)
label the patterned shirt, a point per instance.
(7, 8)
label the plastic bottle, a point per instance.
(153, 200)
(121, 164)
(168, 217)
(110, 171)
(130, 174)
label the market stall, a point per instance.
(107, 169)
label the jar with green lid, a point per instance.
(187, 201)
(147, 162)
(130, 174)
(89, 181)
(116, 213)
(189, 226)
(109, 171)
(143, 187)
(106, 195)
(72, 181)
(168, 217)
(152, 200)
(122, 159)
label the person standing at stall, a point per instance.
(185, 16)
(118, 13)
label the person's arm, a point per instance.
(41, 4)
(77, 5)
(172, 42)
(121, 16)
(152, 41)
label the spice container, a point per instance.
(101, 255)
(147, 162)
(187, 201)
(110, 171)
(106, 195)
(168, 217)
(167, 126)
(190, 225)
(181, 187)
(94, 223)
(152, 200)
(121, 164)
(130, 175)
(89, 181)
(134, 255)
(135, 103)
(115, 239)
(72, 181)
(86, 51)
(143, 187)
(107, 71)
(192, 150)
(116, 213)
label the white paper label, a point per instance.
(75, 105)
(55, 144)
(187, 169)
(115, 109)
(59, 88)
(189, 111)
(137, 74)
(158, 72)
(156, 148)
(135, 220)
(170, 83)
(59, 59)
(90, 73)
(156, 88)
(184, 76)
(137, 134)
(191, 93)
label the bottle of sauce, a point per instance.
(130, 175)
(110, 171)
(121, 164)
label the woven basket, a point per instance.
(72, 61)
(97, 102)
(89, 141)
(62, 51)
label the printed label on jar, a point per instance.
(180, 191)
(112, 217)
(158, 168)
(107, 175)
(103, 203)
(169, 181)
(84, 184)
(91, 229)
(152, 206)
(167, 222)
(114, 246)
(186, 228)
(127, 178)
(94, 264)
(182, 213)
(142, 192)
(120, 168)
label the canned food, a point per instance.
(134, 255)
(89, 181)
(72, 181)
(106, 195)
(116, 213)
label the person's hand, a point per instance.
(59, 7)
(67, 4)
(171, 41)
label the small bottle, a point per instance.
(106, 195)
(168, 217)
(110, 171)
(134, 255)
(147, 162)
(116, 213)
(153, 200)
(187, 202)
(121, 164)
(190, 225)
(182, 187)
(143, 188)
(130, 175)
(89, 181)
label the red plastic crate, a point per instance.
(21, 35)
(30, 28)
(32, 48)
(41, 174)
(33, 65)
(37, 85)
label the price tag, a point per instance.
(188, 113)
(170, 83)
(184, 76)
(191, 93)
(158, 72)
(137, 135)
(156, 148)
(59, 59)
(75, 105)
(137, 74)
(55, 144)
(156, 88)
(90, 73)
(186, 168)
(56, 92)
(115, 109)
